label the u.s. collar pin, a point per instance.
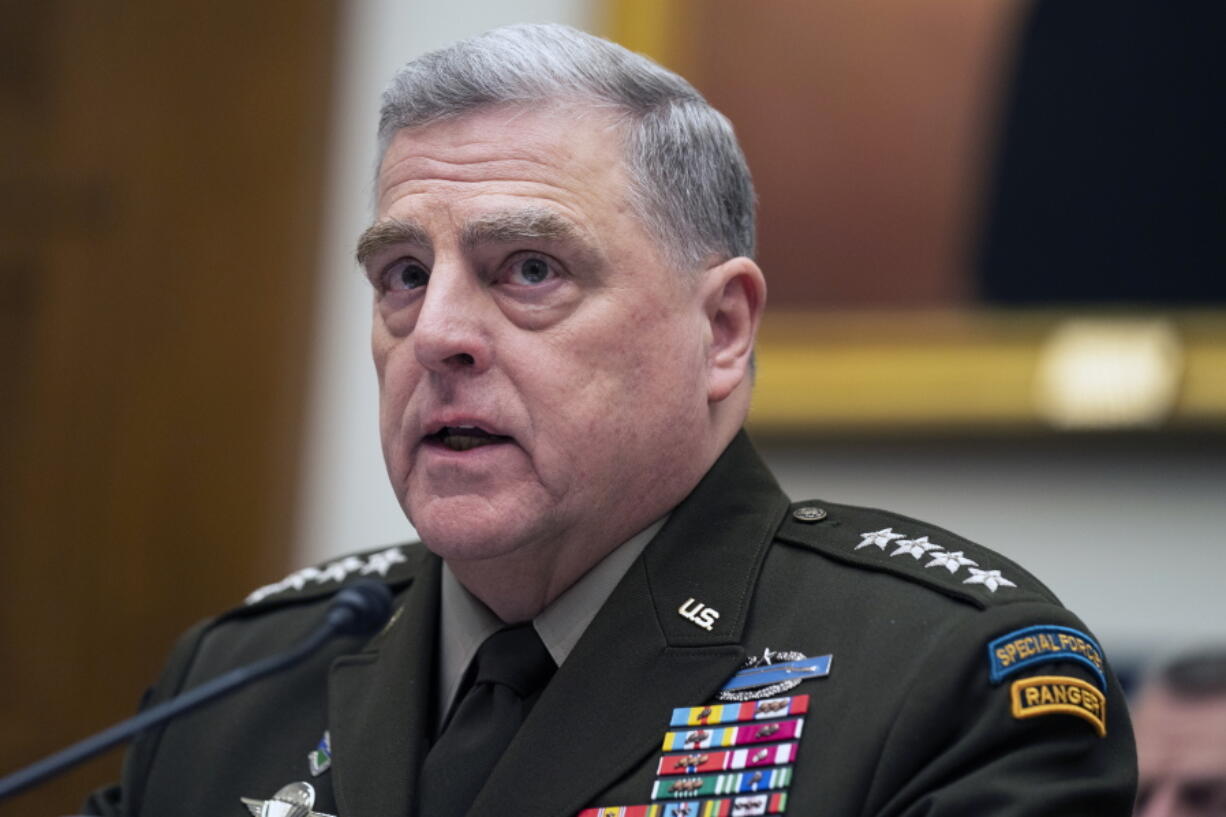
(699, 613)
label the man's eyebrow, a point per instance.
(532, 224)
(388, 233)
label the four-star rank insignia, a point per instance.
(936, 555)
(294, 800)
(336, 571)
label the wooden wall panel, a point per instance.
(161, 167)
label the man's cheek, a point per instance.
(394, 441)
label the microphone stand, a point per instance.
(342, 618)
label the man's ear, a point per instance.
(734, 295)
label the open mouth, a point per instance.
(465, 438)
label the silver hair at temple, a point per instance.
(690, 183)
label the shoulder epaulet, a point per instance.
(892, 543)
(394, 565)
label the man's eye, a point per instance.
(1207, 797)
(405, 274)
(530, 270)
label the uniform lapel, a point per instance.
(380, 705)
(607, 708)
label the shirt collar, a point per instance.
(465, 622)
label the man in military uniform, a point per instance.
(1181, 738)
(616, 610)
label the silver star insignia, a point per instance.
(299, 578)
(990, 579)
(880, 538)
(294, 800)
(914, 547)
(380, 562)
(951, 561)
(338, 570)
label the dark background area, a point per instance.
(1110, 180)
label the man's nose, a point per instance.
(452, 328)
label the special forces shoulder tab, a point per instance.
(891, 543)
(389, 564)
(1044, 643)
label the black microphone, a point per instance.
(358, 608)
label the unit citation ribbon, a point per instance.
(726, 760)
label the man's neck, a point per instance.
(519, 585)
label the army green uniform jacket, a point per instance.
(921, 712)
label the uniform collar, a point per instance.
(643, 655)
(601, 716)
(465, 622)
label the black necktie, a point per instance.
(511, 668)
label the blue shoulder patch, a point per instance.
(1039, 644)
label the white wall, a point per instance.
(347, 503)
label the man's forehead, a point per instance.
(548, 133)
(507, 173)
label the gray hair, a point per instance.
(690, 184)
(1197, 675)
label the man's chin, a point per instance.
(466, 529)
(456, 551)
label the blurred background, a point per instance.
(994, 234)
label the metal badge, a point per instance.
(699, 613)
(294, 800)
(809, 513)
(771, 673)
